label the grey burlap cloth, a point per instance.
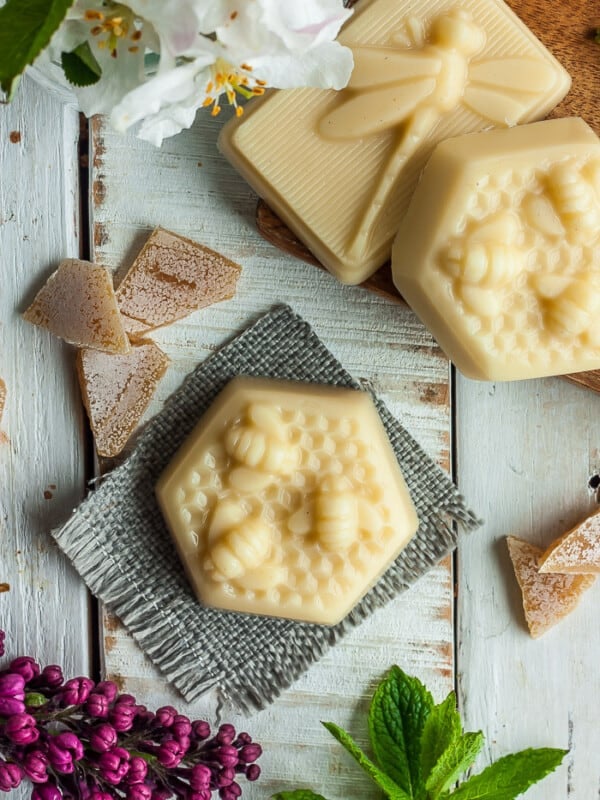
(118, 542)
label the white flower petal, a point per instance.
(327, 66)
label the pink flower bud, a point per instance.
(11, 775)
(250, 752)
(225, 734)
(122, 716)
(230, 792)
(8, 706)
(202, 794)
(166, 716)
(2, 636)
(12, 685)
(63, 751)
(170, 753)
(139, 791)
(35, 766)
(46, 791)
(51, 676)
(21, 729)
(103, 738)
(225, 777)
(97, 705)
(138, 769)
(114, 765)
(200, 777)
(201, 729)
(253, 772)
(76, 691)
(226, 755)
(181, 726)
(98, 794)
(108, 688)
(25, 666)
(126, 700)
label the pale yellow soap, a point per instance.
(287, 500)
(577, 552)
(340, 167)
(499, 252)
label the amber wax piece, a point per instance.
(78, 304)
(499, 251)
(577, 551)
(546, 598)
(287, 500)
(340, 167)
(116, 390)
(171, 277)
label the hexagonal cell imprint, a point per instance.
(499, 253)
(281, 529)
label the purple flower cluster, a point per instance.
(84, 740)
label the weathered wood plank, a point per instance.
(525, 452)
(189, 188)
(46, 611)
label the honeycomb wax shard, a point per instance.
(546, 598)
(577, 551)
(340, 167)
(78, 304)
(499, 252)
(170, 278)
(287, 500)
(116, 390)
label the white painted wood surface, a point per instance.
(46, 610)
(524, 453)
(189, 188)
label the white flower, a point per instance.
(255, 43)
(120, 36)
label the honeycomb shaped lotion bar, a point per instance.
(340, 167)
(287, 500)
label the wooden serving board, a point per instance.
(568, 30)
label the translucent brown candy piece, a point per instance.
(171, 277)
(116, 390)
(577, 551)
(3, 437)
(546, 598)
(78, 304)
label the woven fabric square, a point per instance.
(118, 541)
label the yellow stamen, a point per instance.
(239, 111)
(216, 110)
(134, 49)
(91, 14)
(258, 90)
(207, 101)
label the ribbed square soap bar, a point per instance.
(340, 167)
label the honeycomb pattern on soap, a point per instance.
(524, 264)
(310, 522)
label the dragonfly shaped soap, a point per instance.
(340, 167)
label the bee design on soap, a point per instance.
(576, 202)
(420, 78)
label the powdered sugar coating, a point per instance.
(546, 598)
(78, 304)
(171, 277)
(116, 390)
(577, 551)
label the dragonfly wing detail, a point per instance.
(375, 111)
(380, 66)
(503, 90)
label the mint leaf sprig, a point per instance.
(421, 750)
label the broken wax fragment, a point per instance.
(499, 252)
(287, 500)
(116, 390)
(577, 551)
(339, 167)
(171, 277)
(547, 598)
(78, 304)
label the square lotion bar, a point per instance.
(287, 500)
(340, 167)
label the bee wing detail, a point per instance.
(375, 111)
(380, 66)
(504, 90)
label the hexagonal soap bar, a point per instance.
(287, 500)
(499, 253)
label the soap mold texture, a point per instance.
(340, 167)
(287, 500)
(498, 253)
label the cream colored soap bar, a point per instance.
(340, 167)
(499, 253)
(287, 500)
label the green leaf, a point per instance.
(383, 781)
(457, 759)
(442, 729)
(510, 776)
(397, 716)
(299, 794)
(80, 66)
(26, 27)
